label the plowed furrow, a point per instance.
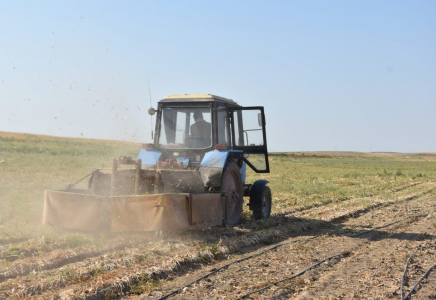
(116, 272)
(292, 288)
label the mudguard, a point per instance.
(212, 166)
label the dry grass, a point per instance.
(314, 191)
(29, 164)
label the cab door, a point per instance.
(249, 135)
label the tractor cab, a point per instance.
(190, 126)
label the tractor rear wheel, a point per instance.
(231, 184)
(265, 209)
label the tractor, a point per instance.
(193, 175)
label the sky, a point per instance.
(332, 75)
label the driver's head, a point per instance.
(198, 115)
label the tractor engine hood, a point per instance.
(182, 174)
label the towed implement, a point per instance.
(191, 176)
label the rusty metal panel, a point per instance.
(181, 181)
(211, 176)
(206, 210)
(101, 183)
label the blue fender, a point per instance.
(149, 158)
(213, 163)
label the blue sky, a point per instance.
(332, 75)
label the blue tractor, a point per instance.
(193, 175)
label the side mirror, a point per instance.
(259, 119)
(151, 111)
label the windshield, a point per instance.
(185, 127)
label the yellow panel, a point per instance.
(131, 213)
(206, 210)
(75, 211)
(149, 212)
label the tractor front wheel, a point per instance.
(231, 184)
(265, 208)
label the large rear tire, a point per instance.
(265, 210)
(231, 184)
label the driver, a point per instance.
(201, 128)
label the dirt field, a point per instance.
(355, 221)
(373, 246)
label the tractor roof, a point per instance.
(197, 98)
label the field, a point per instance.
(355, 217)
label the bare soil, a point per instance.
(373, 245)
(371, 269)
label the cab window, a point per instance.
(185, 127)
(223, 126)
